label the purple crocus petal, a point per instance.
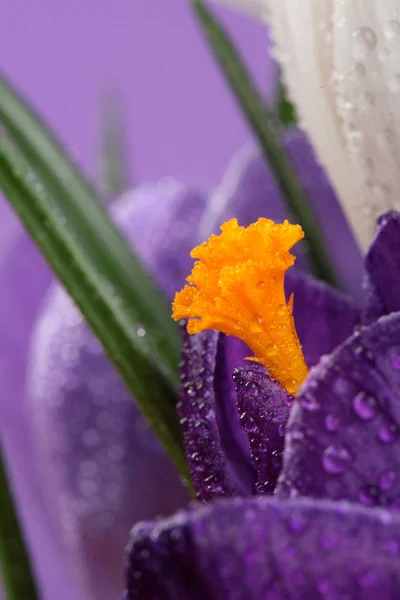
(383, 269)
(261, 548)
(231, 354)
(324, 318)
(198, 417)
(249, 191)
(343, 435)
(264, 410)
(102, 467)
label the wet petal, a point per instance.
(249, 191)
(264, 410)
(198, 417)
(324, 317)
(383, 269)
(262, 548)
(101, 465)
(343, 435)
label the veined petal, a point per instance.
(340, 62)
(261, 548)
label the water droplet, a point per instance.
(364, 406)
(394, 83)
(298, 524)
(331, 423)
(369, 98)
(308, 402)
(329, 542)
(387, 432)
(392, 29)
(336, 459)
(369, 495)
(260, 285)
(386, 480)
(361, 69)
(364, 41)
(141, 331)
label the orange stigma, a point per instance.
(237, 287)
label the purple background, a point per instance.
(181, 118)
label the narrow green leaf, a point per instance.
(74, 198)
(95, 264)
(15, 567)
(69, 253)
(266, 129)
(286, 111)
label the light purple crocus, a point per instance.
(302, 494)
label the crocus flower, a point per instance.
(340, 61)
(322, 445)
(94, 447)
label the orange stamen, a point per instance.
(237, 287)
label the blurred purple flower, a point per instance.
(330, 457)
(99, 467)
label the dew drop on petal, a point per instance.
(336, 459)
(364, 41)
(364, 406)
(331, 423)
(386, 480)
(392, 29)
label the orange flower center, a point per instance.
(237, 287)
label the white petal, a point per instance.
(303, 34)
(341, 62)
(257, 8)
(367, 66)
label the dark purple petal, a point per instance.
(249, 191)
(343, 435)
(264, 410)
(198, 417)
(102, 468)
(324, 318)
(234, 442)
(383, 269)
(263, 549)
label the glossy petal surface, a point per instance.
(253, 549)
(383, 269)
(264, 410)
(324, 318)
(343, 435)
(198, 412)
(102, 466)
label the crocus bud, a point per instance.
(341, 63)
